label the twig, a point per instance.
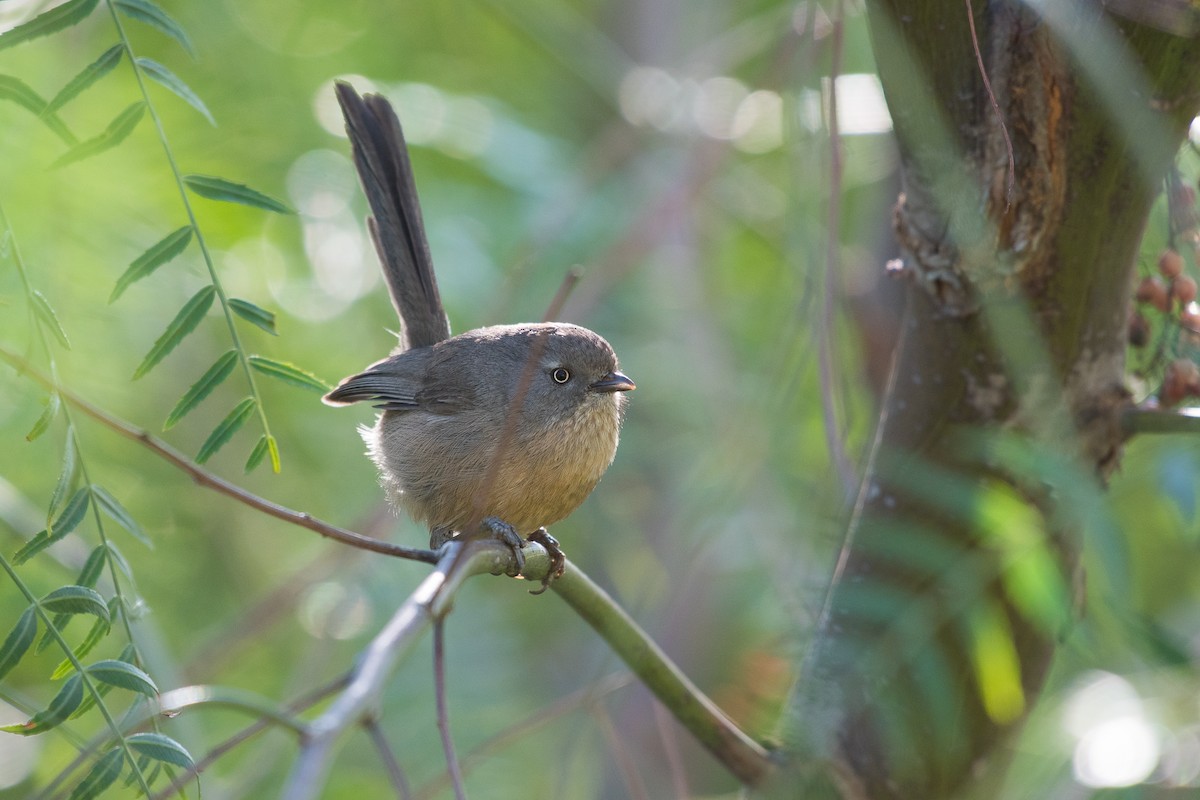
(443, 713)
(1160, 420)
(211, 481)
(544, 716)
(395, 773)
(834, 440)
(1011, 177)
(360, 697)
(635, 787)
(745, 758)
(299, 704)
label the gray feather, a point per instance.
(381, 156)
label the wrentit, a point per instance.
(508, 427)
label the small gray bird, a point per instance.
(509, 427)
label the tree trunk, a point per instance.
(959, 571)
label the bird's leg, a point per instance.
(500, 530)
(558, 559)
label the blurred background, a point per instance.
(679, 153)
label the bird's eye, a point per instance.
(560, 375)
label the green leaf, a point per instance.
(111, 506)
(229, 192)
(254, 315)
(91, 73)
(170, 80)
(56, 19)
(66, 475)
(98, 633)
(256, 455)
(17, 91)
(116, 132)
(158, 254)
(67, 521)
(93, 568)
(202, 388)
(161, 748)
(76, 600)
(288, 373)
(266, 445)
(41, 307)
(102, 775)
(16, 644)
(61, 707)
(150, 14)
(273, 449)
(184, 323)
(124, 676)
(225, 431)
(119, 559)
(53, 406)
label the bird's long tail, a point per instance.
(381, 157)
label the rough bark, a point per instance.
(1015, 328)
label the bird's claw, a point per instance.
(558, 559)
(501, 531)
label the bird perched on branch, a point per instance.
(504, 429)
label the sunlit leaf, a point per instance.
(102, 775)
(997, 665)
(150, 14)
(16, 644)
(123, 676)
(18, 91)
(111, 506)
(226, 429)
(116, 132)
(225, 191)
(184, 323)
(41, 307)
(170, 80)
(90, 74)
(161, 748)
(201, 389)
(254, 315)
(158, 254)
(76, 600)
(60, 708)
(56, 19)
(288, 373)
(68, 520)
(53, 406)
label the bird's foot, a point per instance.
(501, 531)
(558, 559)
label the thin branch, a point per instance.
(395, 773)
(1011, 177)
(359, 699)
(299, 704)
(211, 481)
(1160, 420)
(443, 713)
(635, 787)
(540, 718)
(834, 440)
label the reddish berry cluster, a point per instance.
(1173, 295)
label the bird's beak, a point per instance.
(613, 382)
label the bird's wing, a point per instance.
(392, 384)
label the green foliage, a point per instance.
(717, 525)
